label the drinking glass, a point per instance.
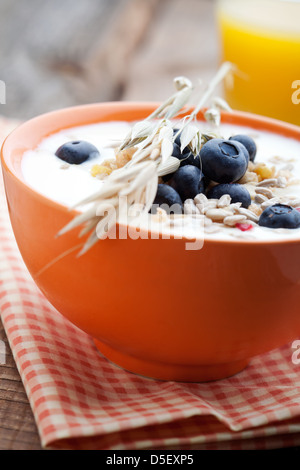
(262, 39)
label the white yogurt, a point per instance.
(44, 172)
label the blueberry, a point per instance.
(223, 161)
(190, 159)
(237, 192)
(178, 139)
(168, 199)
(77, 152)
(188, 182)
(280, 216)
(176, 152)
(186, 157)
(248, 142)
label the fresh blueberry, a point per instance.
(188, 182)
(77, 152)
(191, 160)
(176, 152)
(248, 142)
(186, 158)
(223, 161)
(280, 216)
(237, 192)
(178, 139)
(168, 199)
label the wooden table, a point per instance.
(17, 426)
(114, 50)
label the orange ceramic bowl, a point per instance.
(152, 307)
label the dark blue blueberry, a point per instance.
(191, 160)
(168, 199)
(77, 152)
(177, 152)
(185, 159)
(178, 138)
(186, 156)
(237, 192)
(223, 161)
(244, 149)
(280, 216)
(188, 182)
(248, 142)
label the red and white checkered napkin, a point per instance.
(82, 401)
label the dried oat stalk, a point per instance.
(136, 182)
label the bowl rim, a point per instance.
(239, 118)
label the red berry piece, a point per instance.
(244, 227)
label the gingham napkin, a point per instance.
(81, 401)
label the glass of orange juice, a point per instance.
(262, 39)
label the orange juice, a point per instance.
(262, 38)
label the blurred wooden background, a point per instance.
(64, 52)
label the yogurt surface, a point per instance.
(69, 184)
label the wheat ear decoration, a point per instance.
(137, 181)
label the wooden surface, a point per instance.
(67, 53)
(17, 426)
